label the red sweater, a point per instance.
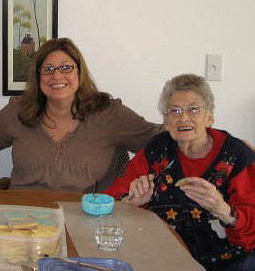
(241, 188)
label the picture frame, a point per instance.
(26, 25)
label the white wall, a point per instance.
(132, 47)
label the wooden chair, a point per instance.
(117, 168)
(4, 183)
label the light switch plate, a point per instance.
(214, 67)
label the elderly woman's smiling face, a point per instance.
(186, 118)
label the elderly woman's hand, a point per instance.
(207, 196)
(141, 190)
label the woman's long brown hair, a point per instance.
(87, 97)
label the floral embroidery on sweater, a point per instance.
(190, 220)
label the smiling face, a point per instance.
(189, 124)
(59, 86)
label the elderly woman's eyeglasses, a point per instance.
(67, 68)
(191, 110)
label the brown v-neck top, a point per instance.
(83, 156)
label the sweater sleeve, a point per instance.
(7, 122)
(131, 130)
(137, 167)
(242, 197)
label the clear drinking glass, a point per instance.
(108, 233)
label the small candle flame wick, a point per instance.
(95, 189)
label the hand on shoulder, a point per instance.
(249, 145)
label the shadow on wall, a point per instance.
(5, 162)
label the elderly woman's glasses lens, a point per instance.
(192, 110)
(62, 68)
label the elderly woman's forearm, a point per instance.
(243, 233)
(226, 215)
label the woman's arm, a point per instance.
(242, 197)
(7, 123)
(137, 167)
(131, 130)
(238, 213)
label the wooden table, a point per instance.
(41, 198)
(45, 198)
(147, 245)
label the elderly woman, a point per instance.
(198, 179)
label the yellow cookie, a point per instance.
(44, 231)
(24, 224)
(181, 182)
(3, 227)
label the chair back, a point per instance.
(4, 183)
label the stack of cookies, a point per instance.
(27, 234)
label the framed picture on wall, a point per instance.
(27, 24)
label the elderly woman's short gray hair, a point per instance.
(187, 82)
